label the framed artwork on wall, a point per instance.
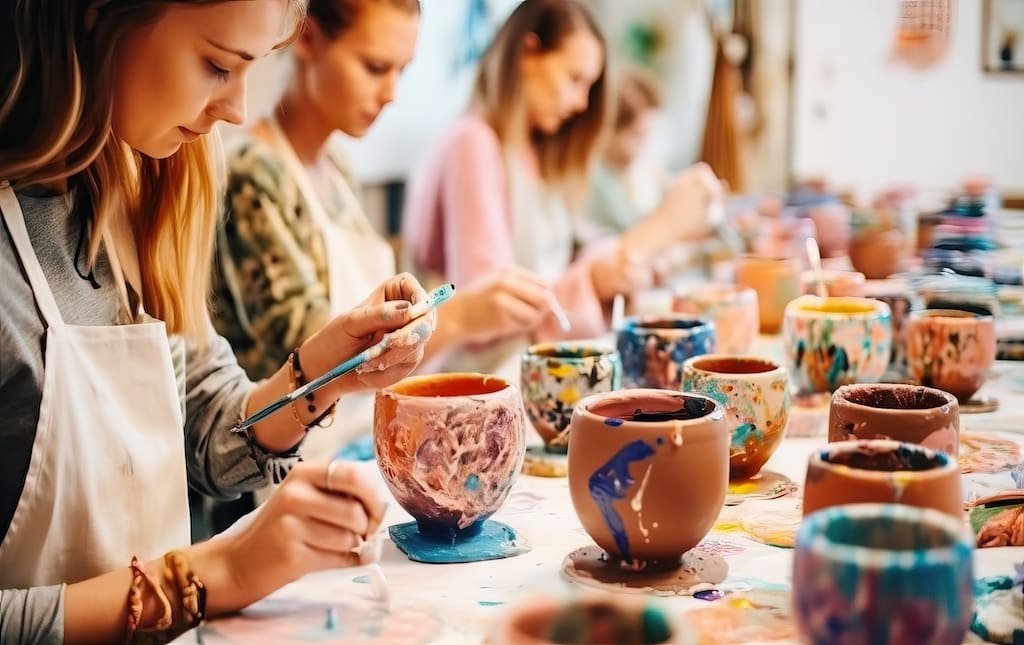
(1002, 38)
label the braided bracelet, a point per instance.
(326, 419)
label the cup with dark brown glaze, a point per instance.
(907, 413)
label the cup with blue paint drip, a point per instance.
(648, 473)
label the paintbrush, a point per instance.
(814, 256)
(417, 311)
(560, 315)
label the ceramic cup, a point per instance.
(837, 283)
(951, 350)
(879, 253)
(555, 376)
(733, 309)
(449, 447)
(830, 342)
(648, 472)
(883, 574)
(907, 413)
(776, 282)
(898, 294)
(754, 392)
(592, 618)
(851, 472)
(654, 348)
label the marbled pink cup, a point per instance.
(732, 308)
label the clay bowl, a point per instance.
(733, 309)
(830, 342)
(879, 253)
(883, 573)
(449, 447)
(907, 413)
(555, 376)
(951, 350)
(648, 472)
(880, 471)
(754, 392)
(603, 619)
(654, 348)
(775, 279)
(837, 283)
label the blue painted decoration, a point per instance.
(494, 541)
(612, 482)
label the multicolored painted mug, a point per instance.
(648, 472)
(830, 342)
(951, 350)
(555, 376)
(450, 446)
(754, 392)
(882, 574)
(908, 413)
(654, 348)
(733, 309)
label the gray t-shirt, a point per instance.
(220, 463)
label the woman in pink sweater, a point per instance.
(502, 187)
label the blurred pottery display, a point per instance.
(733, 309)
(951, 350)
(837, 283)
(776, 282)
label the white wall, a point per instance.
(865, 123)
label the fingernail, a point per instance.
(402, 304)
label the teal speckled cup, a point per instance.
(883, 574)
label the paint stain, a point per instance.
(613, 422)
(361, 580)
(677, 437)
(489, 603)
(611, 482)
(637, 503)
(473, 482)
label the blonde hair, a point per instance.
(57, 63)
(564, 157)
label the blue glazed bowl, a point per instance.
(654, 348)
(883, 574)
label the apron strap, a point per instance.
(15, 219)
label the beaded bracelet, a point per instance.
(178, 570)
(136, 604)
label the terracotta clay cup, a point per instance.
(883, 574)
(450, 447)
(852, 472)
(830, 342)
(837, 283)
(776, 282)
(879, 253)
(907, 413)
(648, 472)
(733, 309)
(654, 348)
(754, 392)
(605, 619)
(951, 350)
(555, 376)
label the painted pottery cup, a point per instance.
(450, 447)
(830, 342)
(896, 293)
(648, 472)
(907, 413)
(853, 472)
(879, 253)
(555, 376)
(776, 282)
(951, 350)
(837, 283)
(754, 392)
(733, 309)
(883, 574)
(591, 618)
(654, 348)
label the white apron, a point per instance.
(358, 260)
(106, 479)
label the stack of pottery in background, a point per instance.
(963, 237)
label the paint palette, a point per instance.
(590, 566)
(494, 542)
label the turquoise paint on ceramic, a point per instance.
(473, 482)
(489, 603)
(494, 541)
